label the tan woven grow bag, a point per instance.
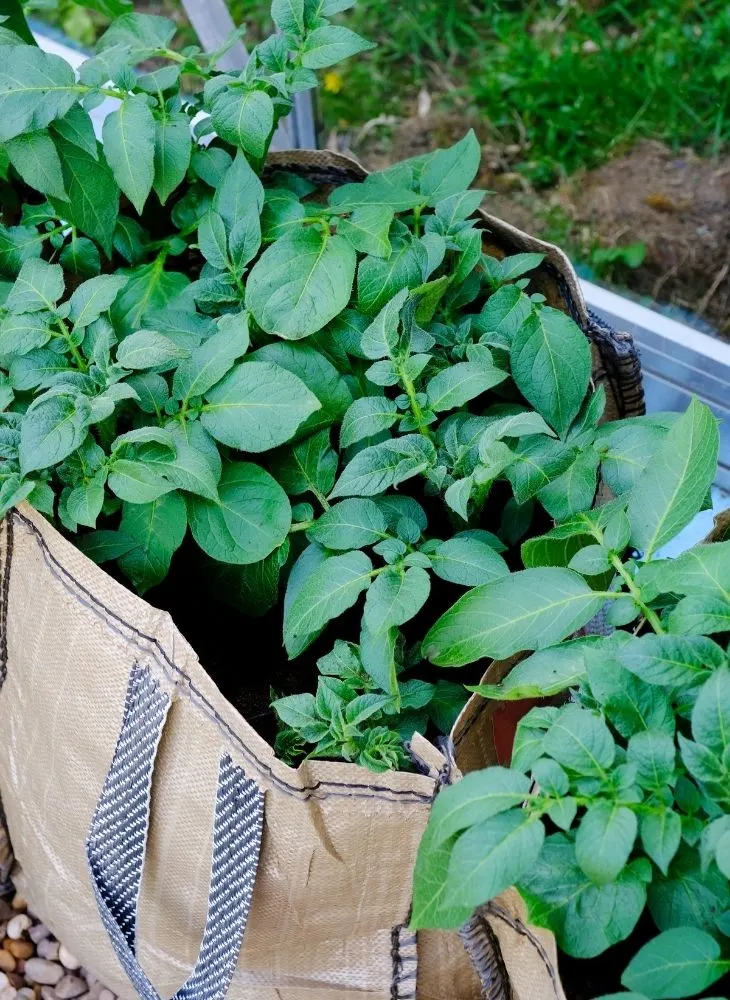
(126, 778)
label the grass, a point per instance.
(569, 84)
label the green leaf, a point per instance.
(84, 502)
(143, 34)
(604, 840)
(653, 754)
(581, 741)
(711, 712)
(671, 660)
(527, 610)
(467, 561)
(350, 524)
(688, 896)
(374, 190)
(331, 44)
(661, 833)
(373, 470)
(35, 158)
(551, 365)
(17, 244)
(101, 546)
(188, 469)
(240, 194)
(366, 417)
(319, 376)
(93, 195)
(381, 338)
(38, 286)
(574, 491)
(702, 571)
(590, 561)
(149, 349)
(35, 88)
(301, 283)
(250, 520)
(328, 592)
(545, 673)
(367, 229)
(172, 150)
(93, 297)
(673, 486)
(379, 280)
(430, 885)
(451, 171)
(629, 451)
(288, 16)
(537, 461)
(129, 146)
(678, 963)
(213, 240)
(586, 918)
(136, 482)
(477, 797)
(208, 363)
(691, 616)
(257, 406)
(395, 597)
(23, 333)
(491, 856)
(51, 429)
(310, 466)
(245, 118)
(504, 314)
(77, 128)
(461, 382)
(158, 528)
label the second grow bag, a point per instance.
(154, 830)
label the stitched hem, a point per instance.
(404, 956)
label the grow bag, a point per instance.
(156, 833)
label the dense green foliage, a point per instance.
(627, 803)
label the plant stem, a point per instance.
(65, 333)
(651, 616)
(415, 406)
(301, 526)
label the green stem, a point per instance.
(301, 526)
(417, 220)
(651, 616)
(324, 502)
(410, 389)
(65, 333)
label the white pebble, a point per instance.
(70, 987)
(48, 949)
(38, 932)
(68, 960)
(4, 981)
(107, 995)
(27, 993)
(47, 993)
(39, 970)
(9, 993)
(18, 925)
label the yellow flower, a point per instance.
(332, 82)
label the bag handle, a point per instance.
(117, 839)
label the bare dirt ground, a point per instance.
(676, 203)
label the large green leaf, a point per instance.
(545, 673)
(93, 297)
(257, 406)
(300, 283)
(331, 44)
(395, 596)
(331, 589)
(492, 855)
(245, 118)
(366, 417)
(51, 429)
(37, 288)
(581, 741)
(604, 840)
(209, 362)
(526, 610)
(678, 963)
(35, 88)
(93, 195)
(350, 524)
(378, 281)
(671, 660)
(461, 382)
(451, 171)
(129, 145)
(158, 528)
(172, 149)
(477, 797)
(551, 365)
(35, 158)
(389, 463)
(309, 466)
(250, 520)
(672, 488)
